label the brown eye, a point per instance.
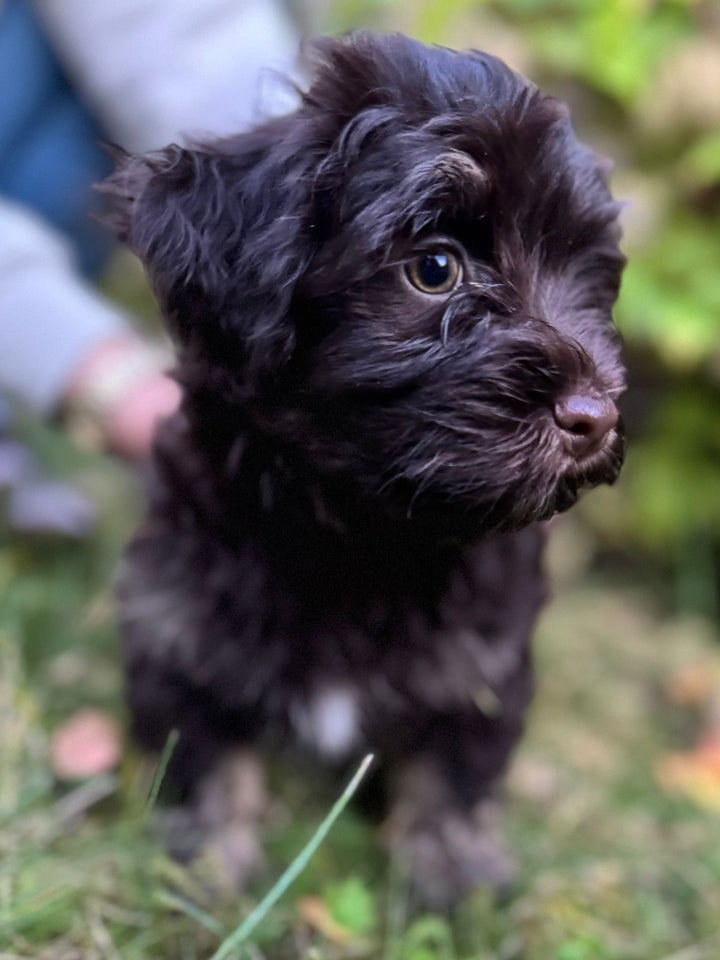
(436, 273)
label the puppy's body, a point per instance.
(392, 314)
(257, 620)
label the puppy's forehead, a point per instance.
(391, 108)
(387, 173)
(368, 87)
(411, 133)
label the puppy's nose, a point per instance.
(585, 421)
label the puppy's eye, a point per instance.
(436, 272)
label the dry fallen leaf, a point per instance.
(694, 773)
(315, 912)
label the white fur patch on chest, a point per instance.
(328, 721)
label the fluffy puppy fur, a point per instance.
(392, 315)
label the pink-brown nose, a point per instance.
(585, 421)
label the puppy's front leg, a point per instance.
(218, 829)
(444, 820)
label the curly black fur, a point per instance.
(343, 525)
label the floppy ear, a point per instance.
(219, 231)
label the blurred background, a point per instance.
(615, 796)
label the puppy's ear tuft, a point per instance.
(169, 208)
(120, 192)
(220, 230)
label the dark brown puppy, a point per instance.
(392, 312)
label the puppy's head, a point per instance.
(406, 284)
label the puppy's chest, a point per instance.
(353, 656)
(343, 704)
(366, 680)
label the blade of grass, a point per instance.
(161, 770)
(174, 902)
(86, 795)
(241, 933)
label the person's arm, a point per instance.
(65, 349)
(153, 72)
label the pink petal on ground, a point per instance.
(87, 744)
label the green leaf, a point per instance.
(428, 938)
(352, 905)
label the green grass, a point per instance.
(611, 868)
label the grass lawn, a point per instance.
(612, 864)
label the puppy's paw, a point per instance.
(451, 854)
(217, 836)
(227, 859)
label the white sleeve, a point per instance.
(153, 70)
(49, 318)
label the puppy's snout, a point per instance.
(585, 421)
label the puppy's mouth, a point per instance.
(565, 497)
(602, 467)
